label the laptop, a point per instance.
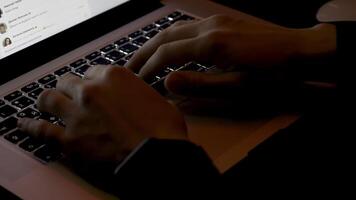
(42, 40)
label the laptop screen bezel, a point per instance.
(51, 48)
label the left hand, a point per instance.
(107, 114)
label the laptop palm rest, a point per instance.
(12, 165)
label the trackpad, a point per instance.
(12, 165)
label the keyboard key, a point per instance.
(149, 28)
(2, 102)
(129, 57)
(101, 61)
(128, 48)
(8, 125)
(31, 144)
(48, 153)
(165, 26)
(115, 55)
(7, 111)
(175, 67)
(34, 94)
(159, 87)
(164, 73)
(78, 63)
(82, 69)
(162, 21)
(93, 55)
(51, 85)
(140, 41)
(16, 136)
(47, 79)
(174, 15)
(135, 34)
(183, 18)
(29, 113)
(22, 102)
(193, 67)
(122, 41)
(121, 62)
(151, 34)
(13, 96)
(74, 74)
(49, 117)
(30, 87)
(153, 80)
(208, 66)
(62, 71)
(108, 48)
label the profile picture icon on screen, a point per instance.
(3, 28)
(6, 42)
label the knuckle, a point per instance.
(215, 40)
(212, 45)
(60, 82)
(44, 98)
(179, 23)
(163, 49)
(218, 20)
(87, 93)
(160, 37)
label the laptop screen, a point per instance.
(24, 23)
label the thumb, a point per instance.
(202, 84)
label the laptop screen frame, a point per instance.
(55, 46)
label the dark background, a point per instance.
(291, 13)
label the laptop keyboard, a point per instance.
(22, 103)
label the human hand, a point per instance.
(225, 41)
(107, 114)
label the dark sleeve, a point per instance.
(346, 40)
(346, 53)
(167, 169)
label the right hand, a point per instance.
(226, 41)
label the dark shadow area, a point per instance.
(260, 98)
(6, 195)
(297, 14)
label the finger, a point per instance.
(95, 72)
(69, 85)
(180, 31)
(202, 84)
(55, 102)
(177, 53)
(42, 129)
(183, 22)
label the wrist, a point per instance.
(316, 42)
